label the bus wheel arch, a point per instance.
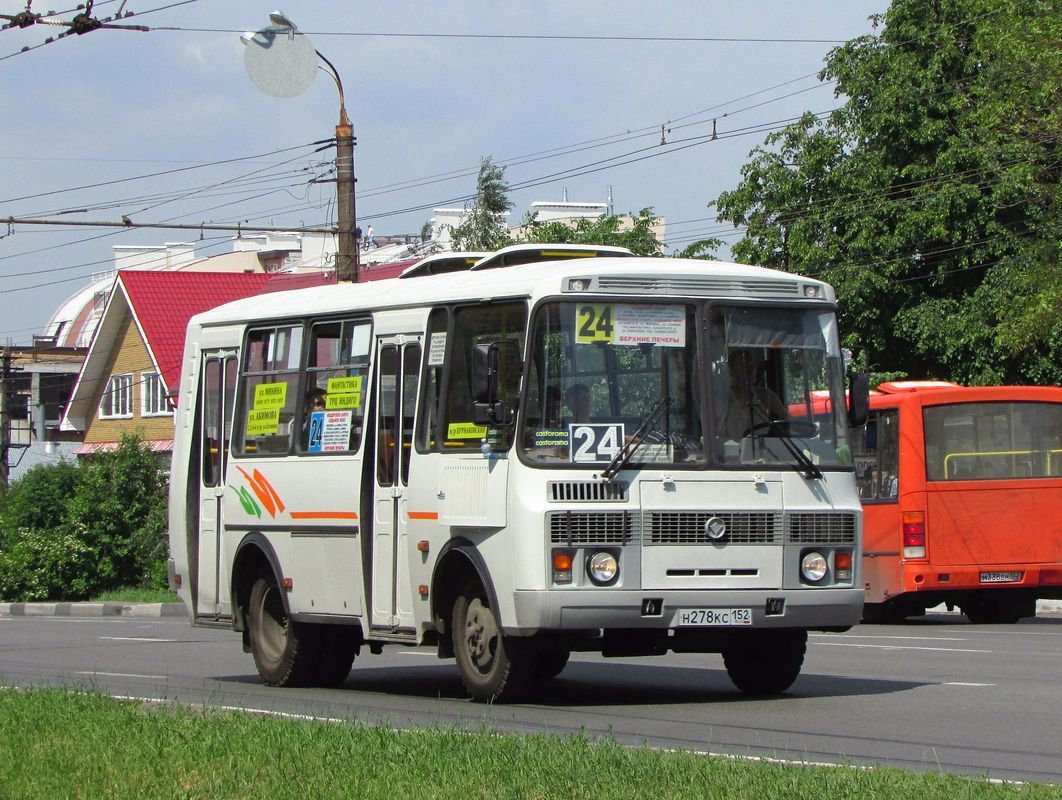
(457, 564)
(254, 558)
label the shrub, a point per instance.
(119, 511)
(39, 498)
(69, 531)
(45, 564)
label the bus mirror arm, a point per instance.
(858, 399)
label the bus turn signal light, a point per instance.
(562, 566)
(914, 534)
(842, 565)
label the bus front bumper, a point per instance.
(562, 610)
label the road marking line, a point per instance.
(882, 636)
(121, 675)
(901, 647)
(964, 683)
(135, 639)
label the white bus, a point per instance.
(611, 454)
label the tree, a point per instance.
(930, 199)
(638, 238)
(483, 227)
(70, 531)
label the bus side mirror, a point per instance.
(495, 374)
(858, 399)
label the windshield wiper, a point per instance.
(782, 430)
(623, 455)
(810, 469)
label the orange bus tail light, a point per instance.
(914, 534)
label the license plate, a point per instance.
(1000, 577)
(713, 617)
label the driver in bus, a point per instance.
(749, 402)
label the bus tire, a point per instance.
(337, 647)
(998, 612)
(283, 650)
(493, 667)
(551, 662)
(765, 661)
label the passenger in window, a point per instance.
(750, 402)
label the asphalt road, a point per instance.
(938, 694)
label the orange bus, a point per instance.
(962, 499)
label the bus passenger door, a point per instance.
(216, 393)
(397, 373)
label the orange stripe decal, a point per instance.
(323, 515)
(423, 514)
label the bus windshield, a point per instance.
(608, 375)
(769, 365)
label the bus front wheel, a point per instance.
(493, 667)
(765, 661)
(281, 647)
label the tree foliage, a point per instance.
(100, 525)
(930, 199)
(483, 227)
(638, 237)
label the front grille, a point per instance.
(592, 491)
(687, 527)
(594, 528)
(820, 528)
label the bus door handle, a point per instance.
(396, 491)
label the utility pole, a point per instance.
(347, 257)
(5, 416)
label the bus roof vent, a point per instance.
(586, 491)
(697, 286)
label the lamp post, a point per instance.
(286, 71)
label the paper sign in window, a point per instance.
(263, 421)
(270, 395)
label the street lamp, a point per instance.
(284, 66)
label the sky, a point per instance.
(572, 98)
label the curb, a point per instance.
(92, 610)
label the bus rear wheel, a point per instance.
(493, 667)
(998, 612)
(282, 648)
(765, 661)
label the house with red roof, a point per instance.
(134, 361)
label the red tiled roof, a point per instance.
(377, 272)
(163, 302)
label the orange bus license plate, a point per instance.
(723, 617)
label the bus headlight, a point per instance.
(813, 566)
(602, 568)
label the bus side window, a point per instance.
(431, 392)
(889, 449)
(269, 387)
(479, 324)
(337, 368)
(876, 451)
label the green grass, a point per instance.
(57, 745)
(136, 595)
